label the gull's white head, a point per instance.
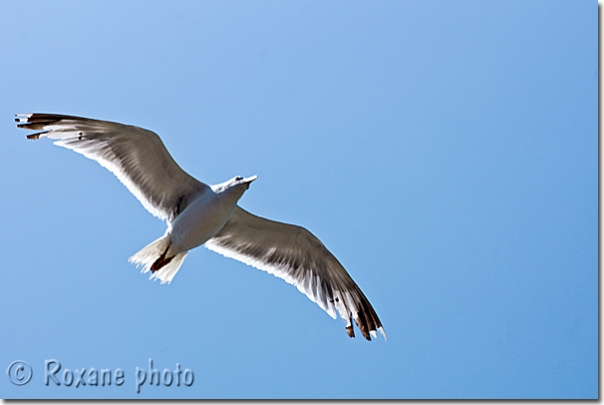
(236, 185)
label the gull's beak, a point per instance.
(247, 181)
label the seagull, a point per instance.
(197, 214)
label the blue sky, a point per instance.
(445, 152)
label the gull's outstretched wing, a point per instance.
(136, 156)
(294, 254)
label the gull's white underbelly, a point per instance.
(200, 221)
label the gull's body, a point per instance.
(199, 214)
(209, 212)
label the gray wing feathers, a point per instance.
(294, 254)
(136, 156)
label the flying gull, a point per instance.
(198, 214)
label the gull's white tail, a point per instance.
(152, 253)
